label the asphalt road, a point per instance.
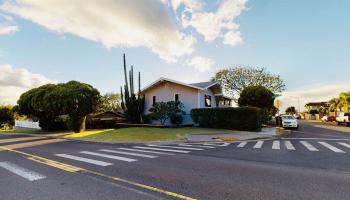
(309, 163)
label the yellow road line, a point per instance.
(54, 164)
(34, 143)
(43, 160)
(70, 168)
(19, 139)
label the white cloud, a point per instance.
(213, 25)
(201, 64)
(114, 23)
(315, 94)
(232, 38)
(13, 82)
(189, 4)
(4, 30)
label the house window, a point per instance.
(207, 100)
(176, 97)
(154, 100)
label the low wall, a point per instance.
(27, 124)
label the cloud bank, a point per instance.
(159, 25)
(212, 25)
(13, 82)
(114, 23)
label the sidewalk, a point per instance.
(265, 133)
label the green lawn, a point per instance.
(19, 131)
(144, 134)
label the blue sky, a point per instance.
(306, 42)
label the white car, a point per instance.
(288, 121)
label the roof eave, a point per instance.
(169, 80)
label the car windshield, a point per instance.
(288, 117)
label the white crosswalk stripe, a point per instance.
(175, 147)
(145, 151)
(216, 145)
(129, 153)
(258, 145)
(22, 172)
(289, 145)
(332, 148)
(308, 146)
(225, 144)
(160, 149)
(109, 156)
(82, 159)
(242, 144)
(344, 144)
(197, 146)
(276, 144)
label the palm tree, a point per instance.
(334, 105)
(344, 98)
(323, 110)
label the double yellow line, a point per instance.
(73, 169)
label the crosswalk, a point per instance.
(315, 146)
(113, 155)
(23, 142)
(103, 157)
(22, 172)
(135, 153)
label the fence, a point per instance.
(27, 124)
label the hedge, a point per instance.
(241, 118)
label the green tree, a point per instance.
(323, 110)
(159, 111)
(335, 105)
(49, 102)
(32, 104)
(291, 110)
(7, 115)
(110, 101)
(162, 111)
(80, 99)
(344, 99)
(235, 80)
(258, 96)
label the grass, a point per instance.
(19, 131)
(144, 134)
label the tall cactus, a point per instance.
(132, 104)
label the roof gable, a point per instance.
(171, 81)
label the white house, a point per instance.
(194, 95)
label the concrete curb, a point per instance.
(94, 141)
(286, 132)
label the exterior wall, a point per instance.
(202, 99)
(166, 92)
